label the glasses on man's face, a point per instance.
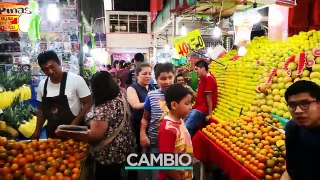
(304, 105)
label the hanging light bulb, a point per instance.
(183, 31)
(216, 32)
(86, 49)
(166, 47)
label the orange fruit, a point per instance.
(29, 172)
(22, 162)
(67, 172)
(14, 167)
(260, 173)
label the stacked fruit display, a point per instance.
(253, 143)
(303, 66)
(12, 86)
(285, 62)
(50, 159)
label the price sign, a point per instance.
(191, 41)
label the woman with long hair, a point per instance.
(110, 133)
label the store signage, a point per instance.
(9, 16)
(186, 44)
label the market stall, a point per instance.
(208, 152)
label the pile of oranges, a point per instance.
(50, 159)
(257, 146)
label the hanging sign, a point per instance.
(191, 41)
(10, 14)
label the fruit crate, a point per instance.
(282, 120)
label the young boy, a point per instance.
(173, 135)
(154, 107)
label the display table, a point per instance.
(208, 151)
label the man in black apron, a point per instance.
(56, 109)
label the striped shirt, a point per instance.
(155, 105)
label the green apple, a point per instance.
(275, 92)
(288, 84)
(305, 73)
(282, 91)
(283, 100)
(287, 115)
(276, 98)
(292, 66)
(280, 113)
(314, 75)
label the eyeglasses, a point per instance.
(304, 105)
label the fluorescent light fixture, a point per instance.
(53, 13)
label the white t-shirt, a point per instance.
(76, 88)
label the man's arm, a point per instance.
(86, 105)
(209, 104)
(40, 122)
(144, 140)
(285, 176)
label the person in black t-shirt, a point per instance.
(303, 132)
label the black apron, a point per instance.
(56, 109)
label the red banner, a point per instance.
(155, 6)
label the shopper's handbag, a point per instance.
(88, 169)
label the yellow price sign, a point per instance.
(191, 41)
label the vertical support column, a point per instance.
(174, 25)
(278, 22)
(81, 38)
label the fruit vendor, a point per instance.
(64, 97)
(206, 99)
(303, 132)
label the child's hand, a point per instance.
(144, 141)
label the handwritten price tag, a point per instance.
(191, 41)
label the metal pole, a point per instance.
(81, 34)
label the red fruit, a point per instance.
(301, 63)
(310, 63)
(316, 51)
(288, 61)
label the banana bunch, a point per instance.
(7, 131)
(7, 97)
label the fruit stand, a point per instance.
(248, 140)
(208, 151)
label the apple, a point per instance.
(287, 115)
(288, 84)
(287, 79)
(294, 74)
(292, 66)
(317, 60)
(280, 79)
(274, 110)
(270, 102)
(305, 73)
(282, 92)
(275, 92)
(314, 75)
(276, 98)
(280, 113)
